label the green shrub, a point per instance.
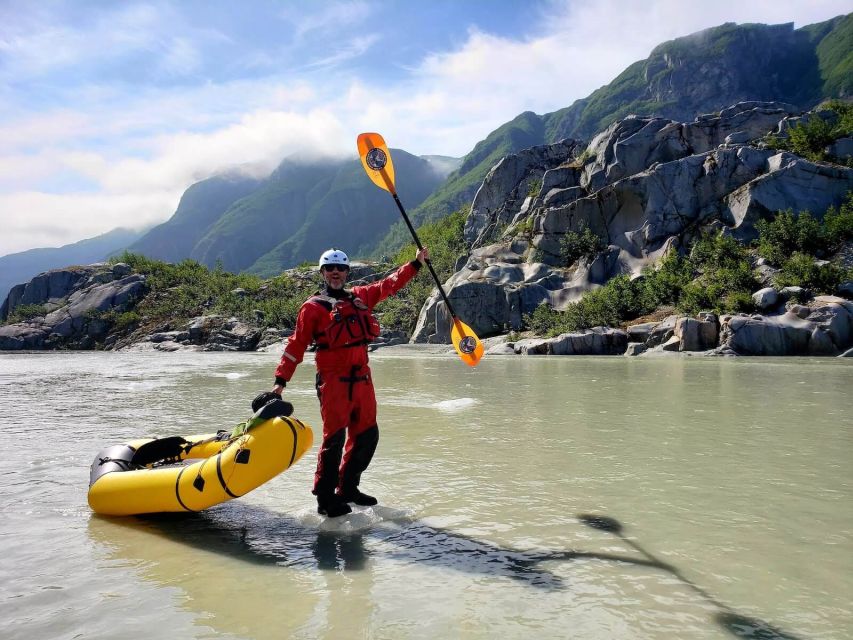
(810, 139)
(189, 289)
(446, 243)
(524, 228)
(738, 302)
(584, 243)
(126, 320)
(605, 306)
(801, 270)
(663, 283)
(26, 312)
(545, 321)
(839, 223)
(534, 188)
(787, 233)
(716, 275)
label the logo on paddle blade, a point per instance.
(468, 344)
(376, 159)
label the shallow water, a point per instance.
(720, 490)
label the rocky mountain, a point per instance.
(681, 79)
(304, 206)
(643, 185)
(18, 268)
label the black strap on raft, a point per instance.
(352, 379)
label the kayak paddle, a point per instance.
(376, 160)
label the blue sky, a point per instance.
(109, 110)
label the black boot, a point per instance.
(362, 453)
(357, 497)
(332, 506)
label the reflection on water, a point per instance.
(719, 494)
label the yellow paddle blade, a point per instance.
(466, 343)
(376, 160)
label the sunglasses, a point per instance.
(336, 267)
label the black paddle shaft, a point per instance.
(428, 262)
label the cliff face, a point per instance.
(642, 185)
(680, 80)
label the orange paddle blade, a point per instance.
(466, 343)
(376, 160)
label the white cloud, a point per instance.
(351, 49)
(328, 17)
(140, 149)
(136, 192)
(50, 220)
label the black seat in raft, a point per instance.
(159, 449)
(172, 447)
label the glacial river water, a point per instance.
(527, 498)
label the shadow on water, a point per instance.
(260, 536)
(735, 623)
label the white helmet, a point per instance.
(334, 256)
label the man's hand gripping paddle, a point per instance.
(376, 160)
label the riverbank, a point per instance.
(111, 307)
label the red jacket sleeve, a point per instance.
(376, 292)
(302, 336)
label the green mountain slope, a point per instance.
(351, 213)
(682, 78)
(17, 268)
(835, 59)
(201, 206)
(307, 206)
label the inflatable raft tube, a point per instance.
(190, 474)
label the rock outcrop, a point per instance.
(824, 327)
(507, 190)
(642, 186)
(76, 304)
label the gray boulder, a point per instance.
(662, 331)
(85, 306)
(234, 335)
(696, 334)
(759, 336)
(826, 330)
(841, 149)
(21, 336)
(635, 349)
(640, 332)
(492, 293)
(598, 341)
(767, 298)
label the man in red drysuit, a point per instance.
(341, 324)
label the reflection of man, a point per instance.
(341, 324)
